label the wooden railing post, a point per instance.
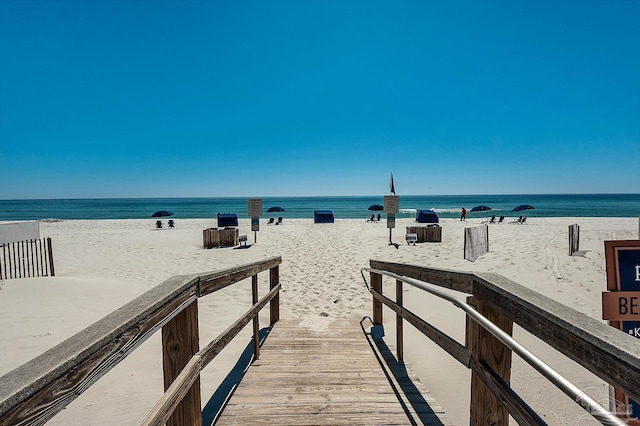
(180, 341)
(489, 354)
(274, 305)
(399, 324)
(376, 284)
(256, 322)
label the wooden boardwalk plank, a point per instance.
(336, 376)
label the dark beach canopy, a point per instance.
(376, 207)
(162, 213)
(480, 209)
(275, 209)
(426, 216)
(322, 216)
(227, 220)
(522, 207)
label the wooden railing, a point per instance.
(25, 259)
(36, 391)
(609, 354)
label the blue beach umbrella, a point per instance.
(480, 209)
(376, 207)
(162, 213)
(275, 209)
(522, 207)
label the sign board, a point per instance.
(391, 221)
(255, 223)
(254, 207)
(621, 304)
(391, 204)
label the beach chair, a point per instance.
(491, 220)
(171, 223)
(279, 221)
(271, 221)
(523, 221)
(158, 224)
(373, 218)
(378, 219)
(517, 220)
(501, 219)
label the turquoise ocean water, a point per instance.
(599, 205)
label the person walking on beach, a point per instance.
(463, 215)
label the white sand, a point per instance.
(100, 265)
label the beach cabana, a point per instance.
(322, 216)
(226, 220)
(426, 216)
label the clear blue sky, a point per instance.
(259, 98)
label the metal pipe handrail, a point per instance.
(603, 415)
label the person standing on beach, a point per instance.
(463, 215)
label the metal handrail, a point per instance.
(603, 415)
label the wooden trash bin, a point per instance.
(229, 237)
(214, 237)
(426, 234)
(210, 238)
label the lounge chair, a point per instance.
(523, 221)
(171, 223)
(378, 219)
(279, 221)
(517, 220)
(491, 220)
(373, 218)
(158, 224)
(501, 219)
(271, 221)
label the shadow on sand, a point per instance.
(408, 394)
(221, 396)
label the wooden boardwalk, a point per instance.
(338, 376)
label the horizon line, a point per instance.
(320, 196)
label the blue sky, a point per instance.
(267, 98)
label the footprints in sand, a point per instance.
(552, 258)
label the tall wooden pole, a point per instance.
(180, 341)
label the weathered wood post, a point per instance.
(50, 251)
(574, 238)
(274, 305)
(256, 322)
(489, 354)
(376, 285)
(399, 323)
(180, 341)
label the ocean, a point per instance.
(447, 206)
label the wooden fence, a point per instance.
(613, 356)
(426, 233)
(26, 259)
(36, 391)
(476, 242)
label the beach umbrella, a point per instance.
(522, 207)
(480, 209)
(275, 209)
(162, 213)
(376, 207)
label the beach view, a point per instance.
(484, 149)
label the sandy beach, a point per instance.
(101, 265)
